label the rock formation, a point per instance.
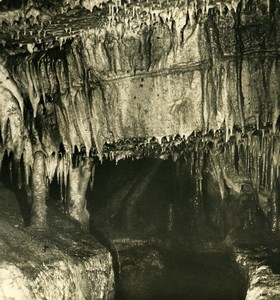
(92, 80)
(92, 75)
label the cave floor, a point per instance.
(147, 272)
(58, 262)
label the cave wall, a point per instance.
(132, 79)
(59, 261)
(148, 72)
(211, 194)
(195, 81)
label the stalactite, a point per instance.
(239, 53)
(204, 104)
(266, 163)
(19, 175)
(199, 181)
(32, 88)
(51, 166)
(92, 177)
(53, 75)
(133, 75)
(274, 209)
(78, 183)
(11, 171)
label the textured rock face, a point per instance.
(78, 182)
(262, 273)
(39, 191)
(149, 70)
(139, 71)
(195, 80)
(60, 262)
(123, 79)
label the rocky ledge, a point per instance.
(262, 267)
(58, 262)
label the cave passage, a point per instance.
(132, 198)
(165, 246)
(170, 231)
(171, 226)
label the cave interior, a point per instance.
(140, 149)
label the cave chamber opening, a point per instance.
(168, 227)
(164, 222)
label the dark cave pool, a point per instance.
(147, 274)
(143, 199)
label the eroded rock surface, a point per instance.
(59, 262)
(262, 266)
(150, 69)
(91, 80)
(127, 79)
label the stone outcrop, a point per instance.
(263, 275)
(59, 262)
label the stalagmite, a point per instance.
(39, 191)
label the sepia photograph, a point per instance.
(139, 149)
